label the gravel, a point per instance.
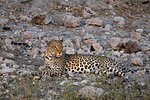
(90, 27)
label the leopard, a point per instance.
(58, 63)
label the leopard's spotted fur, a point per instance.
(58, 63)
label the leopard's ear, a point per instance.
(61, 41)
(46, 42)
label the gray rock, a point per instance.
(42, 19)
(136, 35)
(137, 61)
(3, 65)
(91, 92)
(64, 82)
(1, 59)
(84, 82)
(8, 61)
(29, 35)
(3, 21)
(53, 93)
(89, 42)
(116, 53)
(71, 21)
(148, 53)
(6, 70)
(80, 51)
(70, 51)
(34, 52)
(119, 20)
(107, 27)
(97, 46)
(87, 12)
(41, 34)
(114, 42)
(129, 46)
(76, 83)
(25, 18)
(94, 21)
(15, 66)
(139, 31)
(85, 49)
(88, 36)
(8, 42)
(36, 78)
(41, 68)
(68, 43)
(77, 41)
(10, 55)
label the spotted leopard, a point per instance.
(58, 63)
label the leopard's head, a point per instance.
(54, 48)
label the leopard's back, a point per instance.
(94, 64)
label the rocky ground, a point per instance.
(114, 28)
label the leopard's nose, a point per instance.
(59, 54)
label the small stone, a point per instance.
(139, 31)
(75, 83)
(77, 41)
(88, 12)
(137, 61)
(145, 48)
(94, 21)
(91, 92)
(1, 59)
(80, 51)
(41, 34)
(34, 52)
(1, 84)
(116, 53)
(53, 93)
(63, 82)
(22, 17)
(88, 36)
(114, 42)
(36, 78)
(3, 21)
(70, 51)
(29, 35)
(25, 18)
(107, 27)
(136, 36)
(7, 42)
(141, 83)
(148, 53)
(10, 55)
(119, 20)
(85, 49)
(15, 66)
(71, 21)
(130, 46)
(42, 19)
(8, 61)
(3, 65)
(41, 68)
(125, 55)
(84, 81)
(6, 70)
(68, 43)
(89, 42)
(85, 14)
(97, 46)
